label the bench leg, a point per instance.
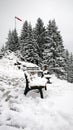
(26, 90)
(41, 93)
(45, 88)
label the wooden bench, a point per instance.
(38, 87)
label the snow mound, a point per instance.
(7, 66)
(19, 112)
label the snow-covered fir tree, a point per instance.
(46, 50)
(9, 40)
(40, 37)
(69, 66)
(56, 59)
(12, 42)
(24, 32)
(23, 36)
(67, 63)
(70, 69)
(29, 46)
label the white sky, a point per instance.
(61, 10)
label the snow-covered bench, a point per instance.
(37, 83)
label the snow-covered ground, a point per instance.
(19, 112)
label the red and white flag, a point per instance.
(18, 18)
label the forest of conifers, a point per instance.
(43, 46)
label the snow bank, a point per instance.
(7, 67)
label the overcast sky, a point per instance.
(31, 10)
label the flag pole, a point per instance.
(15, 22)
(16, 18)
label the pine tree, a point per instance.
(32, 46)
(23, 36)
(71, 58)
(69, 66)
(70, 70)
(56, 59)
(67, 63)
(39, 32)
(46, 50)
(15, 40)
(29, 46)
(9, 41)
(24, 32)
(12, 43)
